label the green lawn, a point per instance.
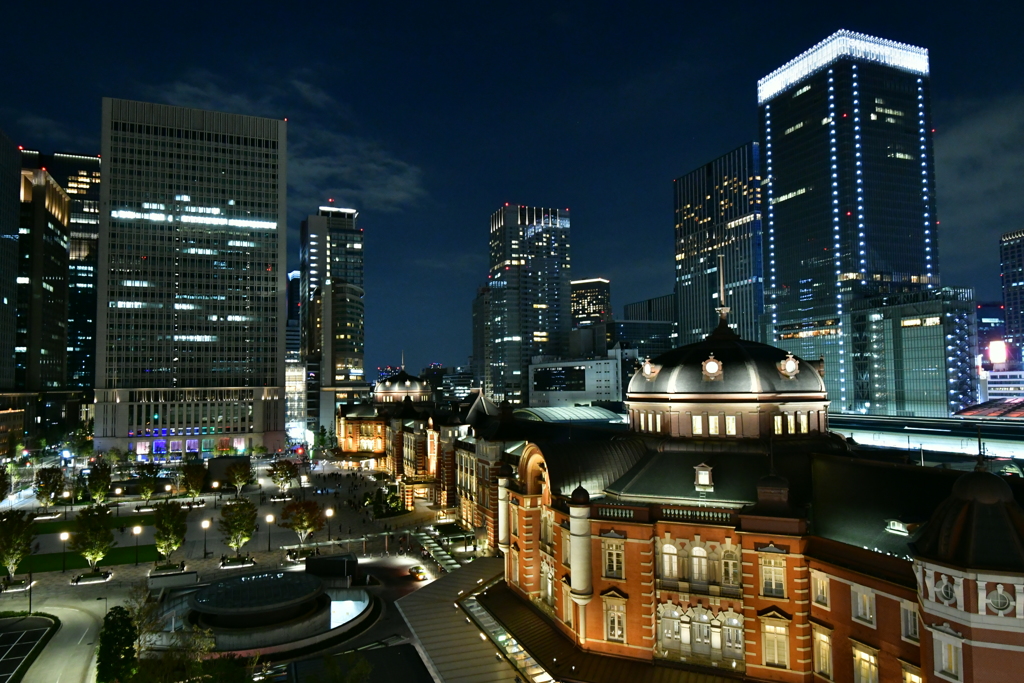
(51, 562)
(129, 520)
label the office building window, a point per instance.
(863, 604)
(613, 559)
(820, 589)
(908, 621)
(948, 657)
(775, 637)
(773, 576)
(865, 665)
(823, 653)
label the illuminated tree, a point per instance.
(169, 527)
(49, 485)
(92, 537)
(303, 517)
(17, 531)
(238, 523)
(99, 481)
(239, 474)
(283, 472)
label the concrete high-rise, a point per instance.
(191, 334)
(332, 313)
(529, 298)
(79, 176)
(10, 210)
(718, 214)
(40, 350)
(1011, 260)
(846, 138)
(591, 302)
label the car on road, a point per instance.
(418, 572)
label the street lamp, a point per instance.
(66, 495)
(270, 520)
(216, 486)
(64, 536)
(206, 525)
(136, 530)
(167, 490)
(330, 513)
(117, 506)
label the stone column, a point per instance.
(503, 533)
(580, 564)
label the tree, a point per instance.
(238, 523)
(193, 476)
(320, 439)
(282, 473)
(149, 472)
(303, 517)
(92, 537)
(17, 531)
(115, 657)
(49, 485)
(99, 481)
(239, 474)
(5, 480)
(169, 527)
(145, 615)
(122, 461)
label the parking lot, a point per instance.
(17, 637)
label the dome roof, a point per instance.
(725, 364)
(403, 383)
(979, 526)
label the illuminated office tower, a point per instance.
(529, 297)
(591, 302)
(79, 176)
(718, 213)
(1011, 260)
(10, 208)
(332, 313)
(846, 139)
(40, 352)
(190, 334)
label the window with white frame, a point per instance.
(698, 564)
(546, 524)
(775, 636)
(730, 425)
(790, 423)
(657, 422)
(863, 604)
(730, 568)
(613, 559)
(669, 562)
(820, 588)
(566, 547)
(547, 584)
(948, 657)
(513, 514)
(911, 674)
(777, 420)
(822, 651)
(514, 567)
(698, 424)
(566, 605)
(713, 425)
(732, 636)
(773, 575)
(908, 621)
(615, 621)
(865, 665)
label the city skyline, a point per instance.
(407, 207)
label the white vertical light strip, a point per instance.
(861, 249)
(924, 181)
(771, 213)
(843, 44)
(836, 245)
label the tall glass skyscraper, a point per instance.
(191, 334)
(529, 302)
(1011, 260)
(79, 176)
(10, 207)
(591, 302)
(718, 213)
(332, 313)
(850, 196)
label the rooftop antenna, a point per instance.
(403, 359)
(723, 310)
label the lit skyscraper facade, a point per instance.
(10, 208)
(40, 351)
(718, 213)
(332, 312)
(529, 299)
(191, 334)
(591, 302)
(850, 197)
(662, 308)
(1011, 260)
(79, 176)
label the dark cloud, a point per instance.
(49, 135)
(979, 160)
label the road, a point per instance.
(68, 657)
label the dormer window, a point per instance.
(789, 367)
(703, 481)
(712, 369)
(895, 526)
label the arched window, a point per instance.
(700, 634)
(730, 569)
(669, 562)
(698, 565)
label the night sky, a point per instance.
(427, 119)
